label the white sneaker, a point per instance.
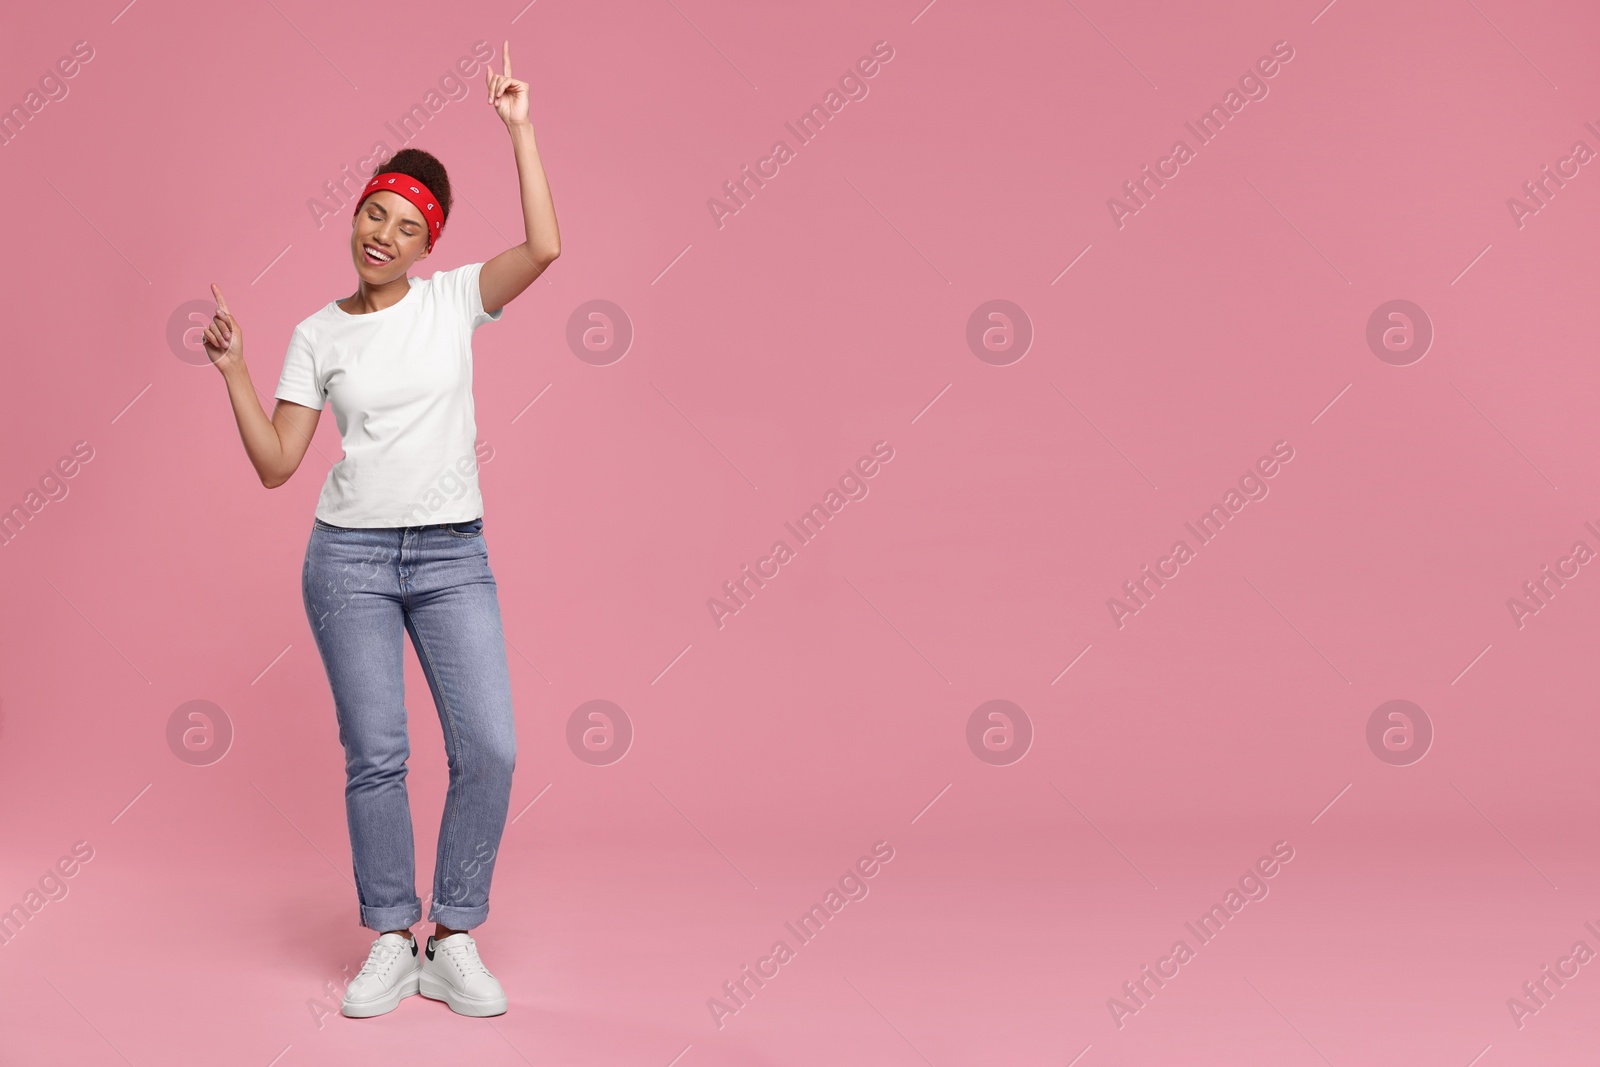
(453, 973)
(388, 976)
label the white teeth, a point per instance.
(376, 254)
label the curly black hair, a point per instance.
(424, 167)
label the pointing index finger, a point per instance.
(507, 55)
(222, 305)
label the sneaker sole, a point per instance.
(383, 1005)
(435, 989)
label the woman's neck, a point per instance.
(368, 298)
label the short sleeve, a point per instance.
(298, 383)
(462, 286)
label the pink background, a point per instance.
(828, 314)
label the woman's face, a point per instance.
(391, 225)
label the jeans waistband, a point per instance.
(397, 529)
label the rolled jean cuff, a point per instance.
(458, 918)
(398, 918)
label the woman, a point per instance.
(397, 544)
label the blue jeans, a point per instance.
(361, 588)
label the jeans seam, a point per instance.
(451, 804)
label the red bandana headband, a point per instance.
(413, 190)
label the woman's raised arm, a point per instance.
(277, 445)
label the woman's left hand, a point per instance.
(508, 95)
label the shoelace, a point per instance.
(379, 959)
(466, 959)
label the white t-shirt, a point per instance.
(400, 381)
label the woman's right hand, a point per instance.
(223, 339)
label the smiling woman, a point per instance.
(390, 554)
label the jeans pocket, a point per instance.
(470, 528)
(320, 525)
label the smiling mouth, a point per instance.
(375, 257)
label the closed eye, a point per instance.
(407, 226)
